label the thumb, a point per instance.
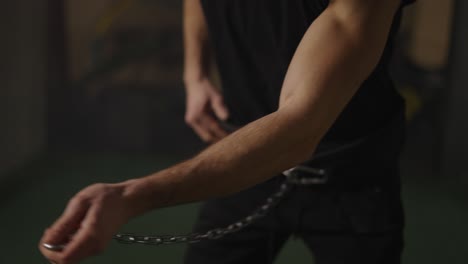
(219, 108)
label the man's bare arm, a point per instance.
(204, 101)
(337, 53)
(196, 44)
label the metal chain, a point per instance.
(216, 233)
(293, 177)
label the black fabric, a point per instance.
(355, 218)
(339, 226)
(376, 151)
(358, 216)
(255, 42)
(407, 2)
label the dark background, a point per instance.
(91, 91)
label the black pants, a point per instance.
(339, 224)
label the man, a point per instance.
(306, 81)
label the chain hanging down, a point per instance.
(212, 234)
(292, 178)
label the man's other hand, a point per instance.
(204, 109)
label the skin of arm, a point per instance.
(204, 101)
(337, 53)
(197, 53)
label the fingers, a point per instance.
(219, 108)
(208, 129)
(68, 223)
(85, 243)
(199, 117)
(201, 132)
(204, 104)
(61, 232)
(214, 128)
(88, 241)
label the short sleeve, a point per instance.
(407, 2)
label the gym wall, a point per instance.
(22, 81)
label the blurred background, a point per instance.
(91, 91)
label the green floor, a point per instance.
(436, 217)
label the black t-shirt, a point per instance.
(254, 42)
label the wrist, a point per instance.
(193, 77)
(158, 190)
(138, 197)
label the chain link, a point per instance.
(292, 178)
(213, 234)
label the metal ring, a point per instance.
(51, 247)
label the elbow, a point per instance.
(305, 153)
(303, 134)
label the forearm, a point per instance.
(196, 44)
(253, 154)
(329, 65)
